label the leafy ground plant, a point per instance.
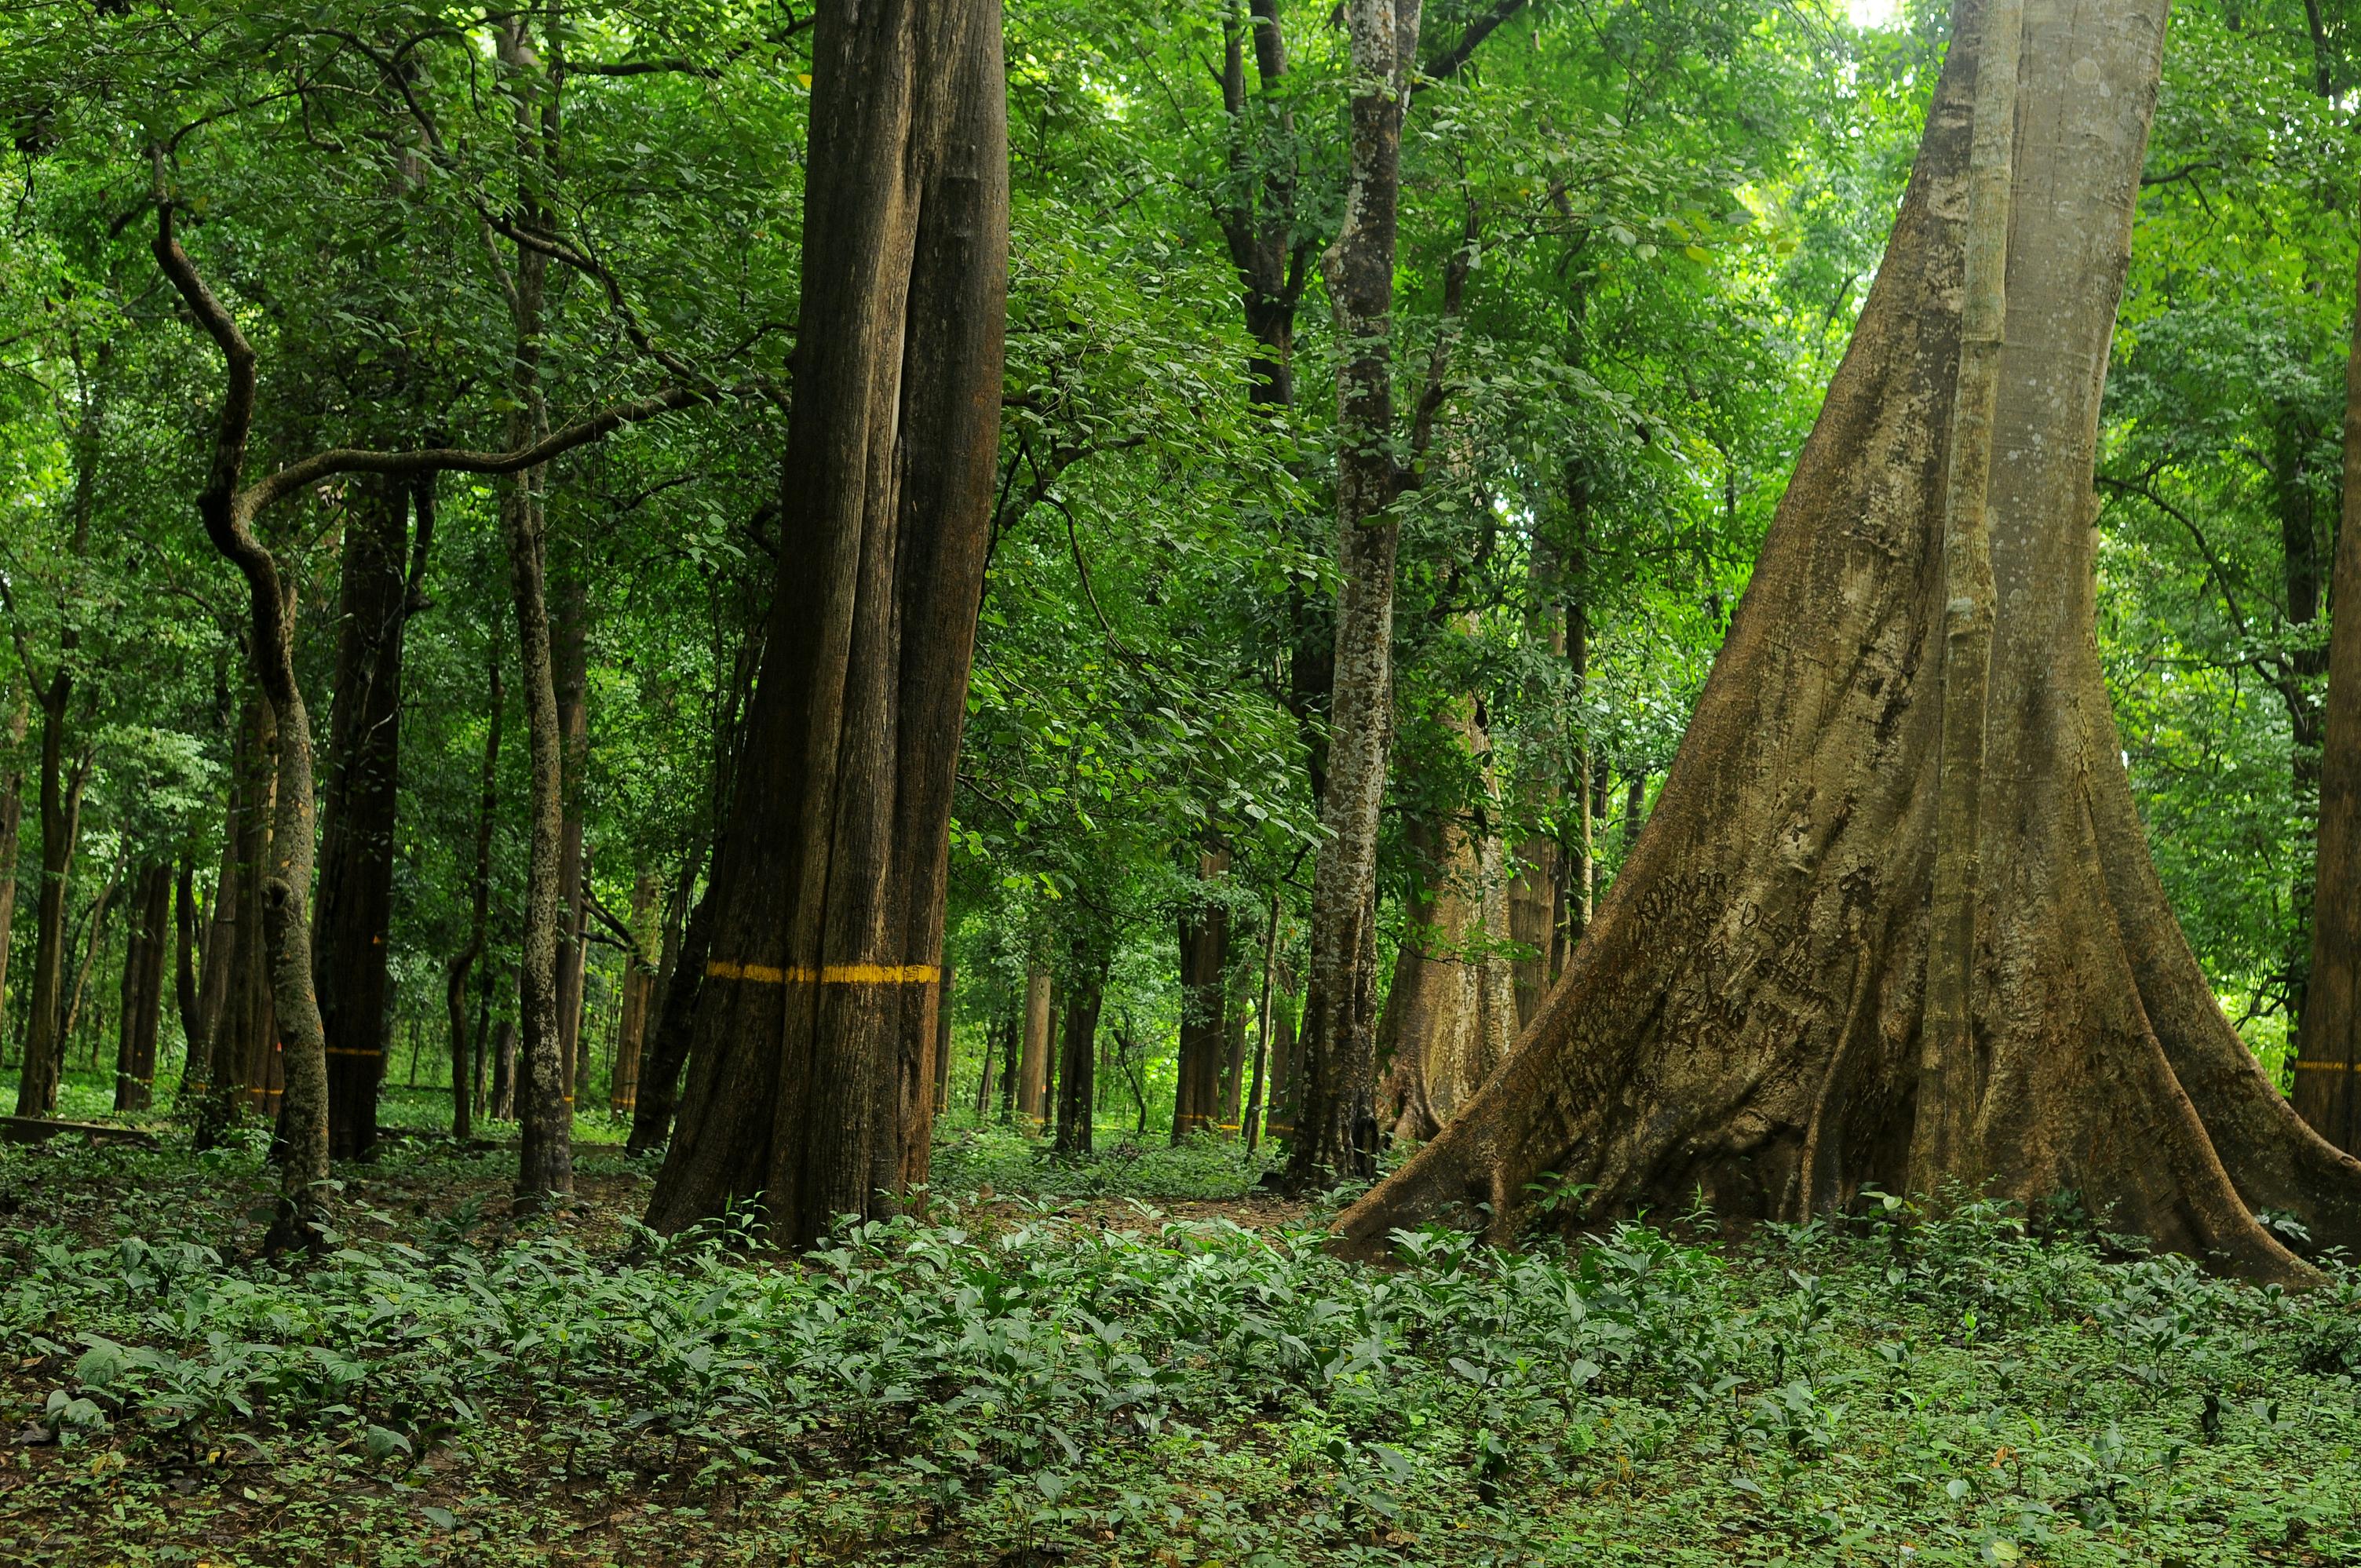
(1049, 1376)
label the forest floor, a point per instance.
(1139, 1360)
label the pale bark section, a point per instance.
(1750, 1010)
(1033, 1065)
(1949, 1080)
(1452, 1014)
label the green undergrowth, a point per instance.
(1000, 1160)
(1018, 1383)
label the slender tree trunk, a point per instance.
(1011, 1047)
(569, 652)
(1033, 1069)
(546, 1158)
(983, 1073)
(479, 903)
(1534, 890)
(143, 988)
(2328, 1056)
(364, 761)
(1204, 954)
(287, 886)
(1254, 1116)
(1336, 1129)
(640, 974)
(504, 1070)
(12, 806)
(1078, 1059)
(61, 797)
(1851, 853)
(186, 917)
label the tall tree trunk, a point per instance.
(2328, 1054)
(1336, 1129)
(1851, 852)
(569, 654)
(1204, 954)
(142, 998)
(640, 968)
(480, 902)
(809, 1080)
(545, 1155)
(60, 796)
(12, 807)
(1253, 1120)
(1033, 1067)
(1078, 1056)
(225, 511)
(357, 810)
(186, 917)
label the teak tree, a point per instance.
(810, 1078)
(1894, 920)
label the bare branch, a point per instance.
(459, 460)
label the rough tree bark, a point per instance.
(145, 951)
(1033, 1065)
(570, 665)
(1450, 1012)
(808, 1079)
(2328, 1056)
(479, 899)
(545, 1147)
(1335, 1126)
(1853, 854)
(1204, 954)
(376, 596)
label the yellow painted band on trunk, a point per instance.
(828, 974)
(2322, 1066)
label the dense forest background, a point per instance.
(1634, 237)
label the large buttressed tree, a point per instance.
(1894, 920)
(810, 1081)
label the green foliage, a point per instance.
(1020, 1375)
